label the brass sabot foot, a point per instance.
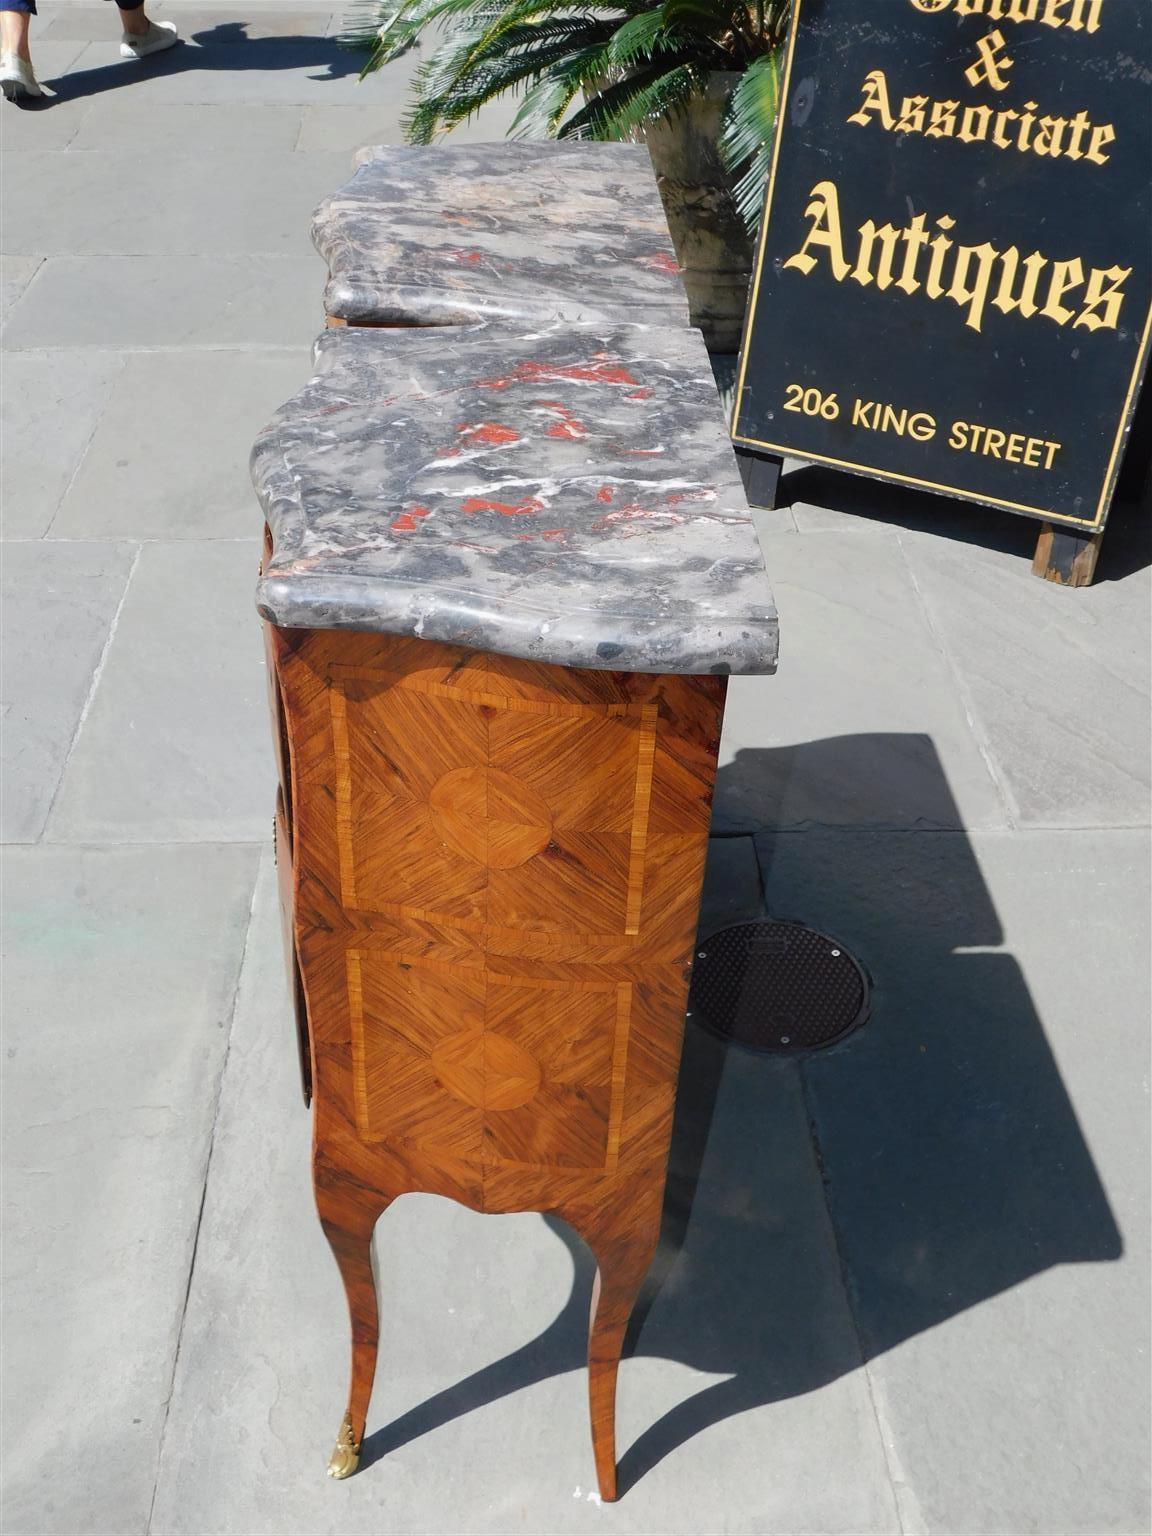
(346, 1456)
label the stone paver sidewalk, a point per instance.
(912, 1292)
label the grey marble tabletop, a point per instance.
(518, 231)
(565, 494)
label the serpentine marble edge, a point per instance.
(520, 231)
(564, 495)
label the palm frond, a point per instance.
(404, 23)
(547, 101)
(705, 18)
(633, 61)
(390, 29)
(748, 131)
(507, 68)
(636, 38)
(503, 30)
(750, 118)
(452, 64)
(624, 105)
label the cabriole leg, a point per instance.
(623, 1258)
(349, 1233)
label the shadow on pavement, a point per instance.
(1127, 546)
(225, 48)
(952, 1164)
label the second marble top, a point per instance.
(566, 495)
(519, 231)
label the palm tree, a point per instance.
(600, 72)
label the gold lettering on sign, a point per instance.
(972, 292)
(975, 123)
(1066, 275)
(823, 231)
(915, 239)
(980, 123)
(875, 91)
(1097, 295)
(1076, 15)
(1104, 133)
(1014, 447)
(1025, 301)
(992, 63)
(971, 276)
(911, 118)
(888, 238)
(876, 416)
(943, 121)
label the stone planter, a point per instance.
(712, 245)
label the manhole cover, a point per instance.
(777, 987)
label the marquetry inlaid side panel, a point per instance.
(457, 804)
(498, 1069)
(497, 870)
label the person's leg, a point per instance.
(142, 36)
(14, 31)
(17, 80)
(133, 19)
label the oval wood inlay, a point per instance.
(490, 816)
(486, 1070)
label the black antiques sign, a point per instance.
(954, 284)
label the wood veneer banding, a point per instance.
(495, 874)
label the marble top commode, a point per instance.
(520, 231)
(566, 495)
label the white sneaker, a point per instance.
(160, 35)
(17, 80)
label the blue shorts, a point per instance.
(29, 6)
